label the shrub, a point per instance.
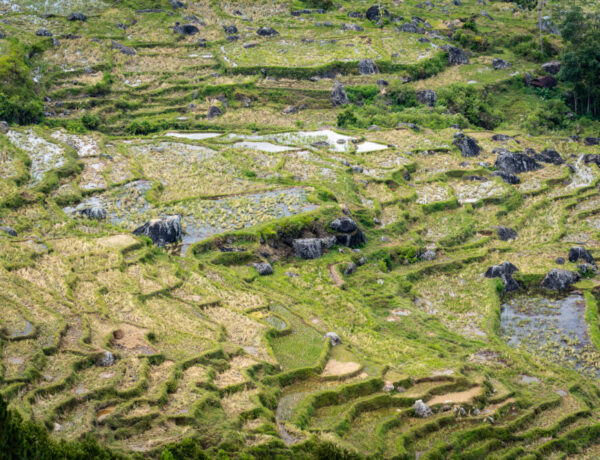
(19, 102)
(552, 115)
(347, 119)
(102, 87)
(402, 95)
(363, 93)
(91, 121)
(474, 104)
(529, 49)
(470, 40)
(322, 4)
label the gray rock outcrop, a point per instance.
(162, 231)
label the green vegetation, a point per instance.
(19, 102)
(581, 60)
(224, 345)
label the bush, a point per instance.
(474, 104)
(322, 4)
(401, 95)
(91, 121)
(19, 102)
(529, 48)
(347, 119)
(552, 115)
(470, 40)
(20, 439)
(363, 93)
(102, 87)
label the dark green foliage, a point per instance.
(23, 440)
(142, 4)
(530, 49)
(19, 102)
(91, 121)
(401, 95)
(581, 60)
(102, 87)
(363, 93)
(474, 104)
(347, 119)
(322, 4)
(186, 449)
(471, 40)
(552, 115)
(529, 4)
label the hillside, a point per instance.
(299, 229)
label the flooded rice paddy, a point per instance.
(552, 328)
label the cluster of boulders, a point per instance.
(347, 234)
(557, 279)
(504, 271)
(509, 164)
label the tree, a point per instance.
(581, 60)
(540, 5)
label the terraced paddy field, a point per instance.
(264, 230)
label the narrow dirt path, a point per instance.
(337, 279)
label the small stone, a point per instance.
(350, 268)
(429, 255)
(213, 112)
(267, 32)
(422, 410)
(106, 359)
(500, 64)
(552, 67)
(8, 230)
(77, 17)
(264, 268)
(334, 339)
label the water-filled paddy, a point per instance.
(554, 329)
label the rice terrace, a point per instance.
(299, 229)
